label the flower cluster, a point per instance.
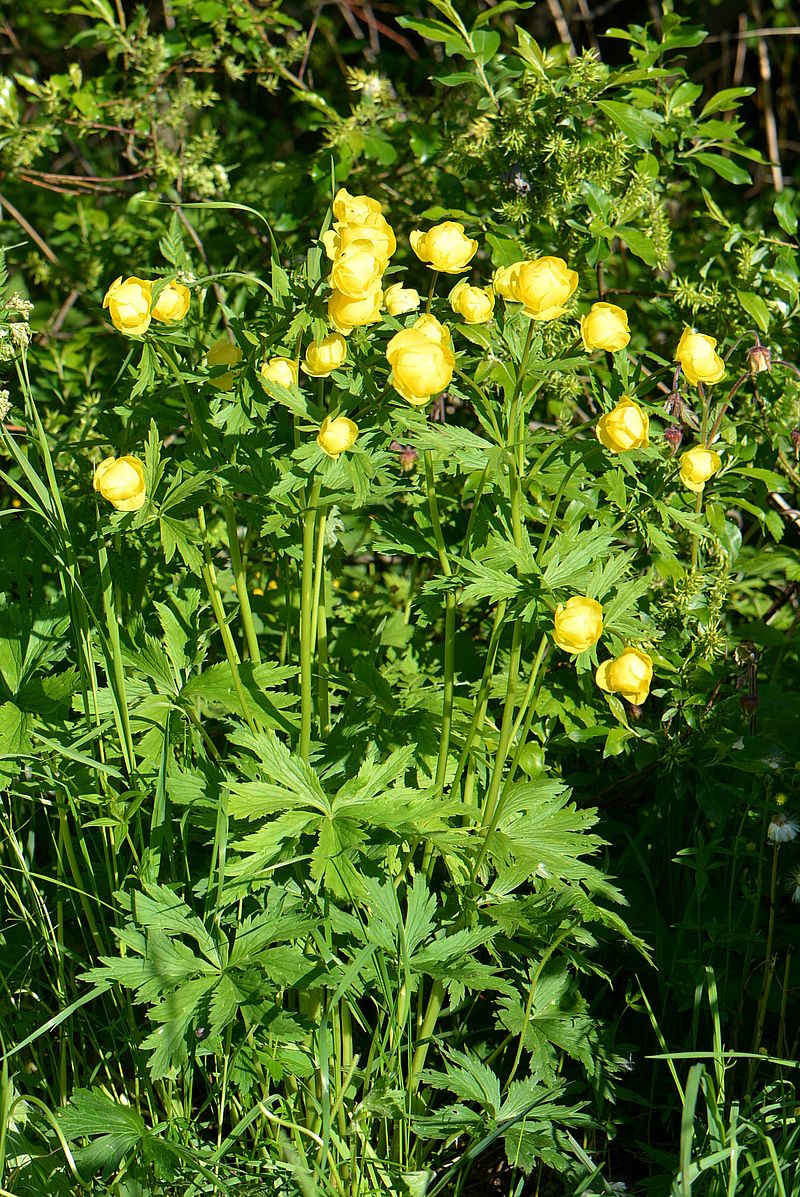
(578, 625)
(360, 245)
(131, 308)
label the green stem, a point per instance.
(505, 732)
(449, 623)
(425, 1032)
(306, 625)
(197, 426)
(482, 697)
(240, 581)
(119, 691)
(431, 289)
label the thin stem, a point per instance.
(306, 625)
(240, 581)
(449, 623)
(431, 289)
(197, 427)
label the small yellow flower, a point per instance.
(346, 313)
(223, 353)
(325, 356)
(698, 358)
(121, 481)
(399, 299)
(172, 304)
(337, 435)
(542, 286)
(422, 360)
(128, 305)
(578, 624)
(355, 209)
(376, 231)
(630, 674)
(356, 272)
(282, 370)
(624, 428)
(605, 327)
(474, 304)
(445, 247)
(697, 466)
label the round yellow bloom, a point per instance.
(542, 285)
(128, 305)
(474, 304)
(172, 304)
(578, 624)
(354, 209)
(121, 481)
(376, 230)
(325, 356)
(605, 327)
(624, 428)
(337, 435)
(346, 313)
(398, 299)
(356, 272)
(282, 370)
(445, 247)
(630, 674)
(223, 353)
(422, 360)
(698, 358)
(697, 466)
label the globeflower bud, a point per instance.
(223, 353)
(630, 674)
(605, 327)
(172, 304)
(282, 370)
(674, 437)
(399, 299)
(120, 480)
(698, 359)
(337, 435)
(128, 305)
(422, 360)
(445, 247)
(697, 466)
(759, 359)
(542, 286)
(325, 356)
(346, 312)
(474, 304)
(578, 624)
(354, 209)
(624, 428)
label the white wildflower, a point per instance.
(782, 829)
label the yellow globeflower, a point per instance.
(376, 230)
(356, 272)
(624, 428)
(128, 305)
(337, 435)
(398, 299)
(223, 353)
(354, 209)
(121, 481)
(542, 286)
(172, 304)
(474, 304)
(697, 466)
(605, 327)
(282, 370)
(630, 674)
(445, 247)
(346, 313)
(422, 360)
(577, 624)
(698, 358)
(325, 356)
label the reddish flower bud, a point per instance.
(759, 359)
(674, 436)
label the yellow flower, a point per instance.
(445, 247)
(399, 299)
(337, 435)
(475, 304)
(223, 353)
(422, 360)
(605, 327)
(376, 230)
(121, 481)
(542, 285)
(624, 428)
(356, 271)
(282, 370)
(172, 304)
(578, 624)
(346, 313)
(697, 466)
(128, 305)
(354, 209)
(325, 356)
(698, 358)
(630, 674)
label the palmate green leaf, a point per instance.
(291, 779)
(570, 556)
(537, 831)
(468, 1079)
(557, 1020)
(118, 1129)
(175, 1016)
(487, 583)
